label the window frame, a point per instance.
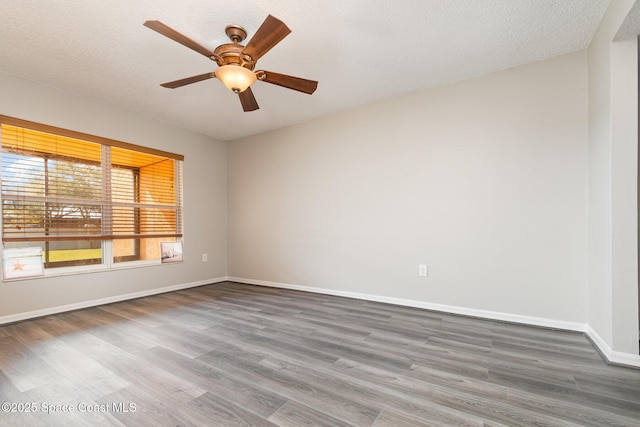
(108, 260)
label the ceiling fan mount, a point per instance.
(237, 62)
(236, 33)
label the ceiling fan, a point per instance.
(236, 62)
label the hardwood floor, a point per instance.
(232, 354)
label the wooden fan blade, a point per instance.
(248, 101)
(290, 82)
(176, 36)
(268, 35)
(187, 81)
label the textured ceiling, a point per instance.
(631, 26)
(360, 51)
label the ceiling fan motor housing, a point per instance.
(231, 53)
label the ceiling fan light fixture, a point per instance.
(236, 78)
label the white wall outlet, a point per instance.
(423, 270)
(204, 257)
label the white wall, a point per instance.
(613, 161)
(483, 180)
(204, 201)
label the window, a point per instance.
(85, 199)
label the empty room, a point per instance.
(329, 213)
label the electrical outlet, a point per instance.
(423, 270)
(204, 257)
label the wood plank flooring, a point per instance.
(238, 355)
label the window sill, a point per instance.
(89, 269)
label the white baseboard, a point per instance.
(485, 314)
(92, 303)
(614, 357)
